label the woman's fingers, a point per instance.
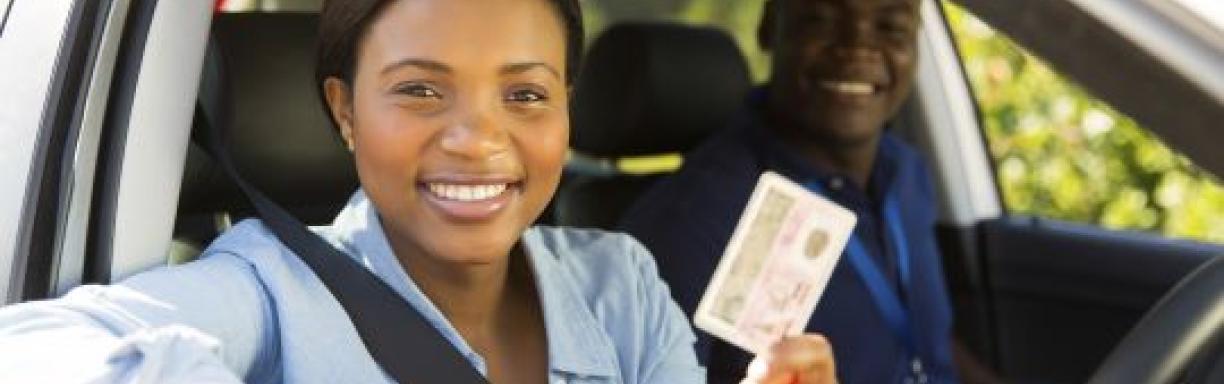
(804, 359)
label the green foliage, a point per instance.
(738, 17)
(1063, 154)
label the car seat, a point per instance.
(646, 89)
(258, 85)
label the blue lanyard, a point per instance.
(886, 299)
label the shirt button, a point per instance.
(837, 183)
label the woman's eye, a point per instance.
(526, 96)
(417, 90)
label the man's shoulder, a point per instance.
(897, 147)
(712, 176)
(911, 167)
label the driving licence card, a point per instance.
(776, 265)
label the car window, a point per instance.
(1063, 154)
(738, 17)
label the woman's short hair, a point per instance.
(343, 23)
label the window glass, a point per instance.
(1061, 153)
(738, 17)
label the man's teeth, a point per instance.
(851, 87)
(466, 192)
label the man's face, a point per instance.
(841, 68)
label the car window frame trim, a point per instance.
(34, 254)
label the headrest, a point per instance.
(280, 138)
(656, 88)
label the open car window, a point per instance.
(1062, 153)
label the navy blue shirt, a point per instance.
(687, 219)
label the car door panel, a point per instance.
(1064, 294)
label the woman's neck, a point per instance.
(474, 298)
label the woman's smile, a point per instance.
(469, 198)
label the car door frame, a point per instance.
(147, 128)
(1012, 276)
(107, 155)
(48, 118)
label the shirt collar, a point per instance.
(576, 343)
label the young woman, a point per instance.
(456, 113)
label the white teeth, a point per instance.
(466, 192)
(851, 87)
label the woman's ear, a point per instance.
(340, 103)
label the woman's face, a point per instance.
(458, 121)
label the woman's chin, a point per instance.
(473, 249)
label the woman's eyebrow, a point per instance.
(518, 68)
(426, 64)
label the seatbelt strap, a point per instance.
(404, 344)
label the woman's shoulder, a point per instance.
(248, 236)
(253, 241)
(599, 262)
(621, 291)
(589, 245)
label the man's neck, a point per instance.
(855, 161)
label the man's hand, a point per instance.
(805, 359)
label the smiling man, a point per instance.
(841, 71)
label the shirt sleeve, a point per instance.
(205, 321)
(672, 358)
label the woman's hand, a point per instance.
(804, 359)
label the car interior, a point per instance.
(645, 89)
(1038, 300)
(651, 78)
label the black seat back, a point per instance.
(646, 89)
(261, 67)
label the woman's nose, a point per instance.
(475, 134)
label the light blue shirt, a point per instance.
(250, 309)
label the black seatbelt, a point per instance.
(408, 348)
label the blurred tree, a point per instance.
(640, 10)
(1065, 155)
(738, 17)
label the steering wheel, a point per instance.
(1185, 324)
